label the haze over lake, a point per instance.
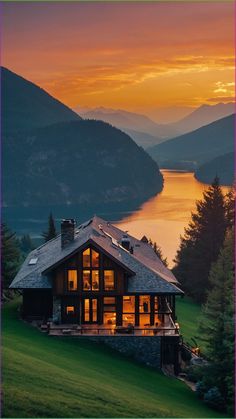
(164, 217)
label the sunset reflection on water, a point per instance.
(164, 217)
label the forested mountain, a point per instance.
(27, 106)
(222, 166)
(76, 162)
(197, 147)
(72, 161)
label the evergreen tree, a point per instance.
(11, 256)
(51, 232)
(26, 244)
(230, 207)
(201, 243)
(217, 326)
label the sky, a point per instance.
(139, 57)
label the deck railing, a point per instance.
(75, 330)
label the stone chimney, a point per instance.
(67, 232)
(125, 242)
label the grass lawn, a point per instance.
(65, 377)
(188, 316)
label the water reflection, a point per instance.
(164, 217)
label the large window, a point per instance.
(144, 310)
(90, 272)
(90, 280)
(109, 280)
(72, 280)
(90, 258)
(109, 311)
(128, 316)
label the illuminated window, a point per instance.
(129, 304)
(109, 280)
(95, 259)
(128, 317)
(70, 310)
(72, 280)
(90, 310)
(109, 311)
(90, 258)
(86, 258)
(86, 281)
(95, 280)
(144, 304)
(86, 310)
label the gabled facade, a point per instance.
(99, 279)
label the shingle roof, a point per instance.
(147, 272)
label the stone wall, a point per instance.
(56, 309)
(145, 349)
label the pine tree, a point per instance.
(11, 255)
(217, 326)
(201, 243)
(230, 207)
(26, 244)
(51, 232)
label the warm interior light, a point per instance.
(70, 310)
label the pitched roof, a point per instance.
(146, 271)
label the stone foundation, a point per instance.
(56, 309)
(145, 349)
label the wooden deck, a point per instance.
(102, 330)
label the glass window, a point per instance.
(109, 318)
(86, 258)
(128, 320)
(109, 308)
(95, 259)
(144, 304)
(156, 305)
(109, 300)
(70, 310)
(86, 281)
(144, 319)
(94, 310)
(95, 280)
(72, 280)
(86, 310)
(109, 280)
(129, 304)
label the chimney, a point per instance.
(67, 232)
(125, 242)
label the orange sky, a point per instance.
(132, 56)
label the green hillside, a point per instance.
(61, 377)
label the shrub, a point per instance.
(214, 399)
(194, 373)
(201, 389)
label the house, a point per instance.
(96, 279)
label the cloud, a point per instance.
(224, 99)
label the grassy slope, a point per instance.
(61, 377)
(188, 316)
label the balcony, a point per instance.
(168, 329)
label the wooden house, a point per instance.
(96, 279)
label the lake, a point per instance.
(164, 217)
(161, 218)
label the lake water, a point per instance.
(164, 217)
(161, 218)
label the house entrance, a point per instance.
(90, 310)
